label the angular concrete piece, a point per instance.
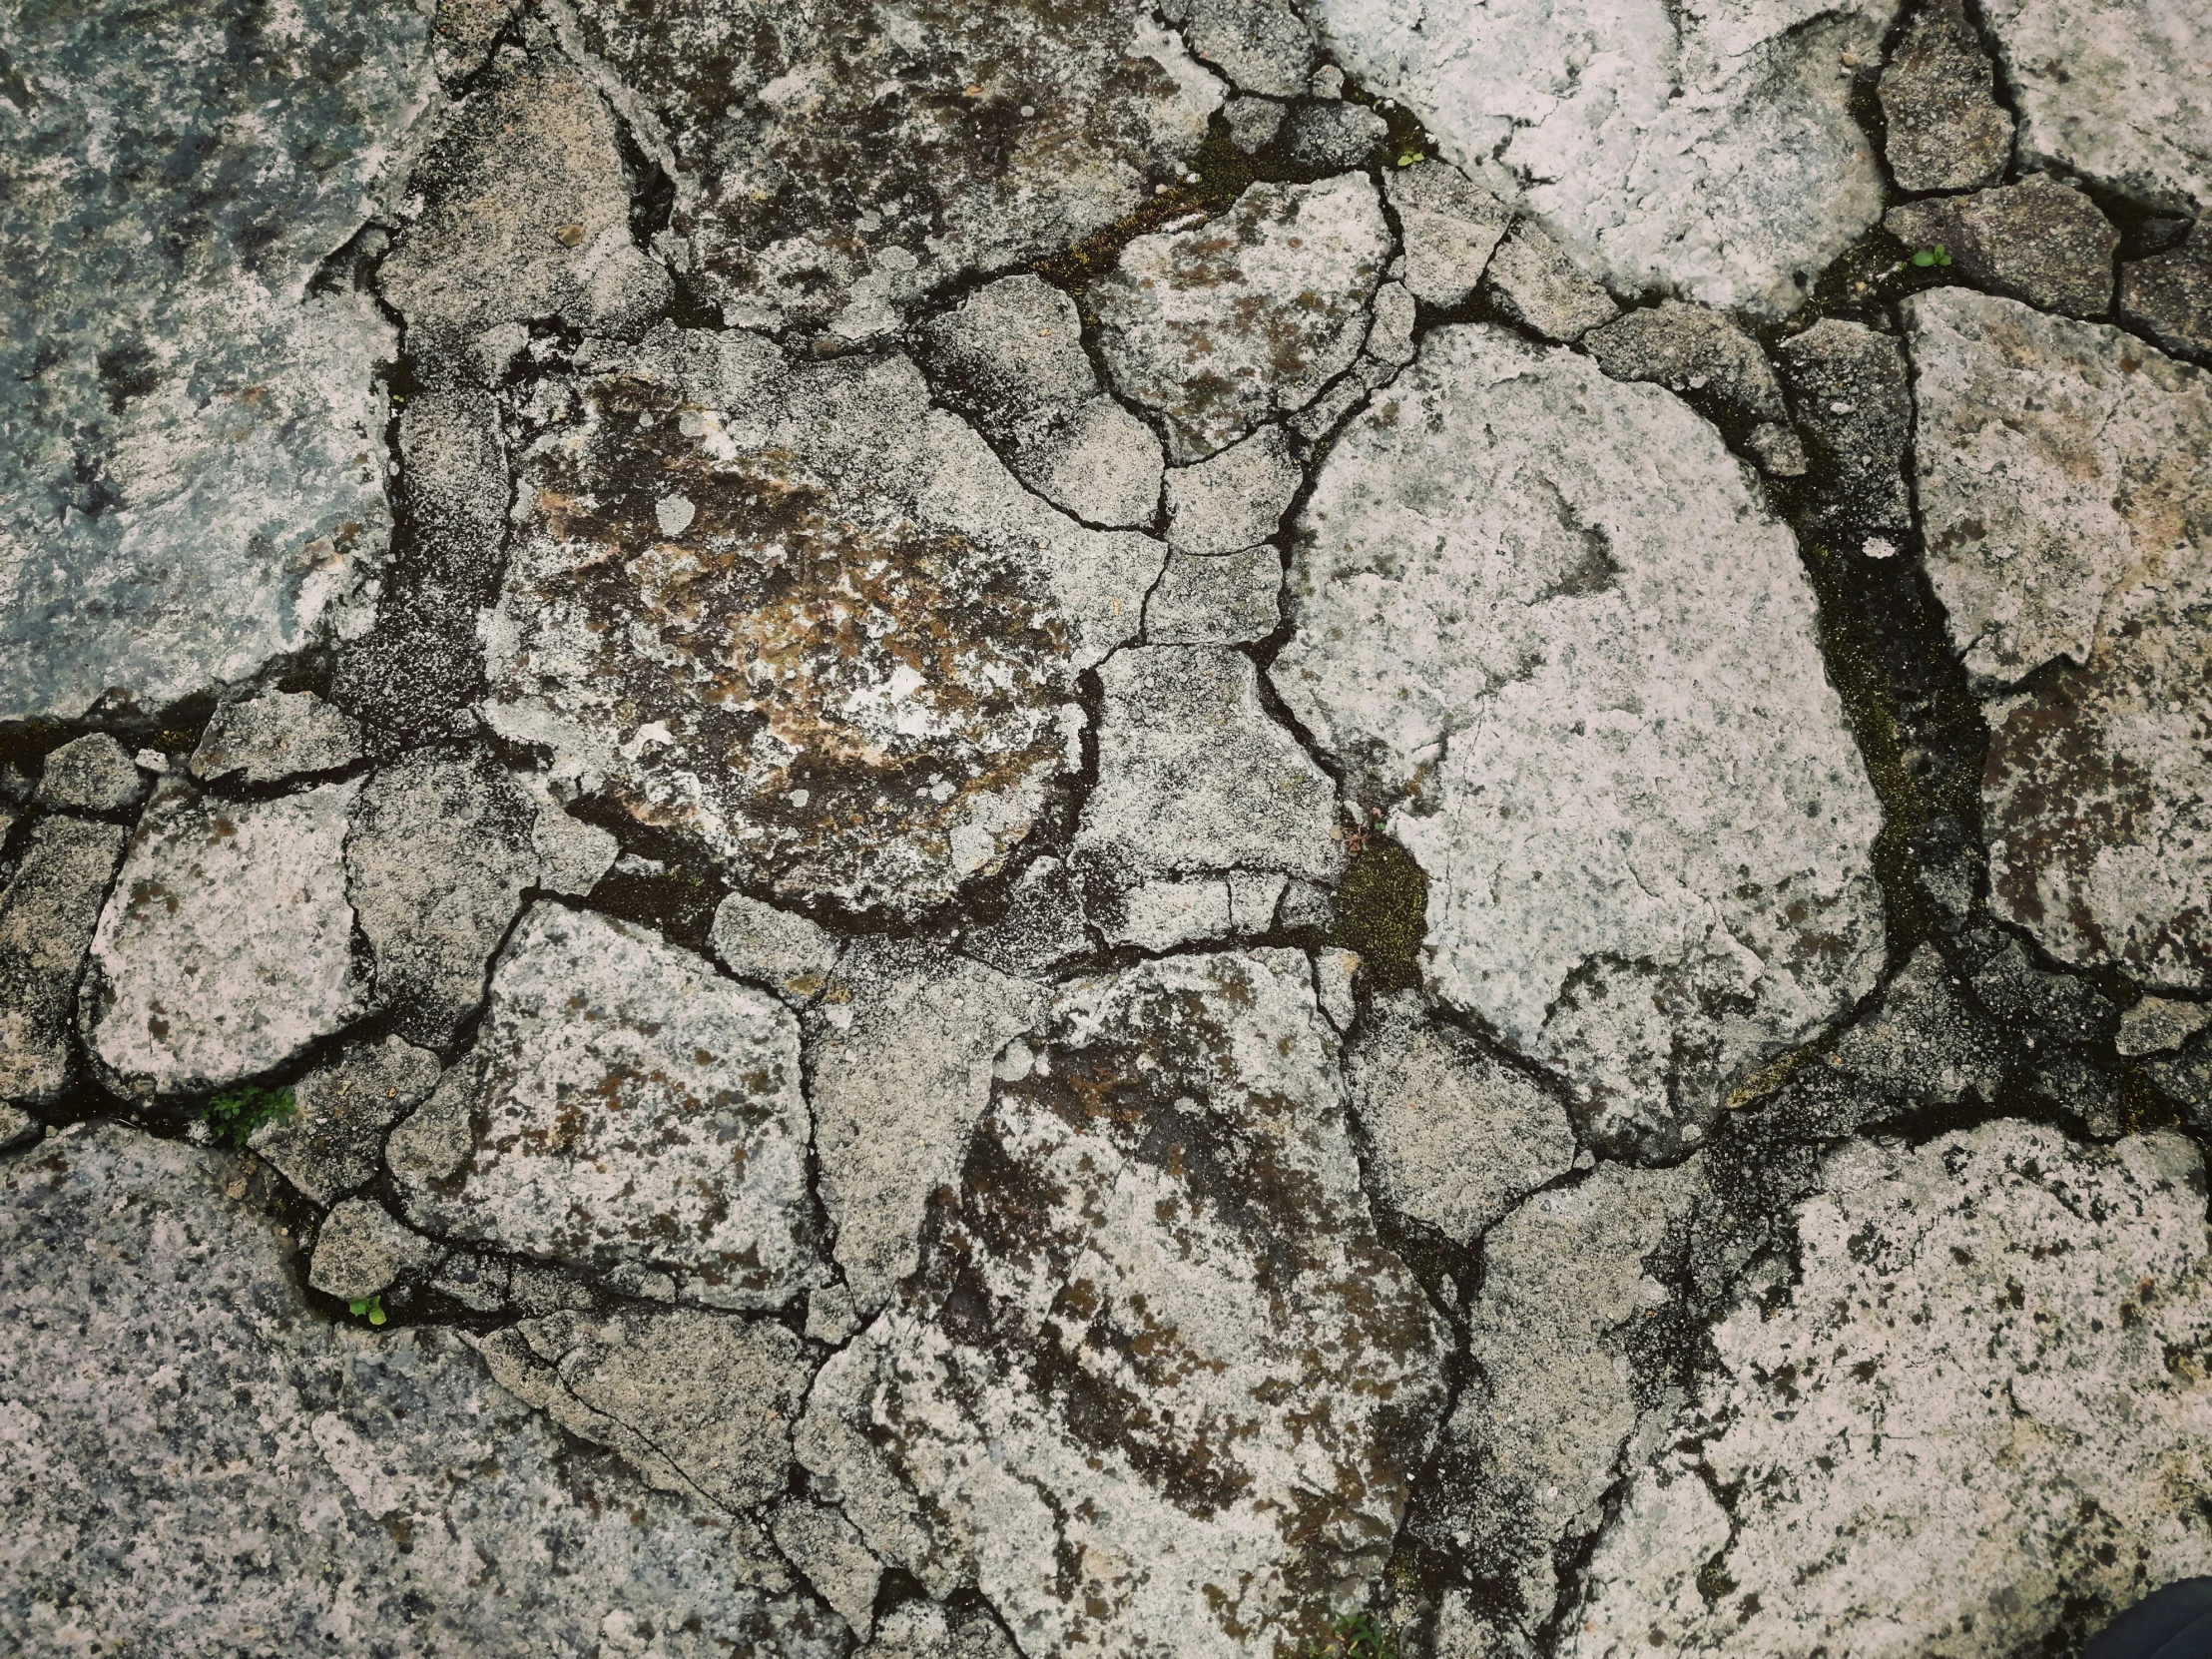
(1690, 348)
(1947, 130)
(93, 773)
(1451, 227)
(626, 1110)
(47, 915)
(2035, 241)
(1233, 500)
(333, 1140)
(274, 736)
(1618, 760)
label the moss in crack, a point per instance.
(1382, 913)
(679, 903)
(1357, 1636)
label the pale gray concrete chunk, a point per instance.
(1260, 801)
(1450, 226)
(1010, 349)
(830, 1316)
(2114, 90)
(1253, 896)
(91, 774)
(1221, 326)
(827, 1548)
(572, 854)
(441, 851)
(1854, 402)
(273, 736)
(921, 1629)
(1229, 501)
(2035, 241)
(1503, 598)
(17, 1127)
(1533, 283)
(1253, 123)
(1390, 337)
(1945, 129)
(1459, 1137)
(1688, 348)
(1042, 927)
(1127, 1258)
(1327, 137)
(47, 917)
(2169, 295)
(806, 195)
(1960, 1365)
(1260, 45)
(333, 1140)
(699, 1403)
(2158, 1023)
(1225, 600)
(863, 684)
(249, 1480)
(2067, 516)
(359, 1251)
(785, 953)
(625, 1110)
(901, 1047)
(1159, 915)
(1713, 155)
(227, 947)
(1093, 459)
(195, 439)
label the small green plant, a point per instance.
(234, 1114)
(1410, 158)
(1927, 257)
(369, 1308)
(1357, 1637)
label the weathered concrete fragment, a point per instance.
(785, 953)
(2067, 516)
(1854, 401)
(1449, 228)
(1533, 283)
(1956, 1428)
(227, 947)
(1226, 599)
(1233, 499)
(1221, 326)
(47, 917)
(1618, 761)
(1945, 129)
(2169, 295)
(828, 1548)
(273, 736)
(1158, 1258)
(91, 774)
(333, 1140)
(2036, 240)
(625, 1110)
(1687, 348)
(1260, 45)
(360, 1249)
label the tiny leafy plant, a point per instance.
(1355, 1637)
(1924, 258)
(369, 1308)
(234, 1114)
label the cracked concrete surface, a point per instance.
(942, 829)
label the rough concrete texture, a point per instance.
(2069, 528)
(1223, 325)
(226, 946)
(1711, 156)
(923, 829)
(1630, 817)
(623, 1109)
(1140, 1325)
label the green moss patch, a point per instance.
(1382, 914)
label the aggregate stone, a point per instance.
(273, 736)
(833, 165)
(1260, 45)
(442, 850)
(1226, 599)
(2067, 517)
(1531, 283)
(625, 1110)
(46, 914)
(1157, 1258)
(333, 1140)
(1925, 1044)
(902, 1048)
(1508, 631)
(91, 774)
(921, 1629)
(1259, 802)
(1779, 450)
(572, 854)
(2169, 295)
(1944, 127)
(1251, 315)
(193, 482)
(1854, 401)
(1457, 1136)
(1712, 155)
(200, 1469)
(1042, 927)
(2185, 1079)
(1690, 348)
(226, 946)
(1159, 915)
(1390, 337)
(1230, 500)
(2114, 90)
(1008, 350)
(1253, 123)
(2158, 1023)
(525, 215)
(788, 954)
(1327, 137)
(1958, 1427)
(2036, 240)
(1451, 227)
(360, 1249)
(853, 673)
(700, 1403)
(1570, 1280)
(1093, 459)
(828, 1548)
